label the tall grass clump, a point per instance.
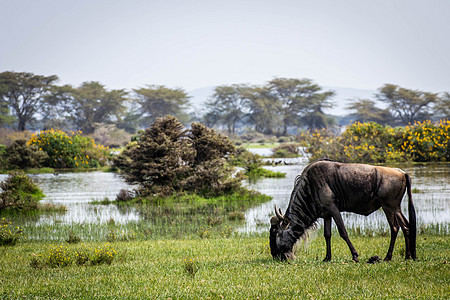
(70, 150)
(374, 143)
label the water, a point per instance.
(77, 190)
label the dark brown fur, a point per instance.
(326, 188)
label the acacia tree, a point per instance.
(24, 93)
(365, 110)
(264, 110)
(87, 105)
(158, 101)
(442, 107)
(298, 98)
(407, 105)
(229, 104)
(314, 117)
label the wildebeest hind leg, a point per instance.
(343, 232)
(392, 220)
(404, 225)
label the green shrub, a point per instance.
(21, 156)
(246, 159)
(167, 158)
(19, 191)
(70, 150)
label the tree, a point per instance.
(158, 101)
(229, 104)
(264, 110)
(366, 111)
(167, 158)
(297, 97)
(314, 117)
(407, 105)
(87, 105)
(442, 107)
(24, 93)
(5, 117)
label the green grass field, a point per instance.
(239, 267)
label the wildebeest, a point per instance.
(325, 188)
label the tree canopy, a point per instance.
(407, 105)
(365, 110)
(87, 105)
(24, 92)
(158, 101)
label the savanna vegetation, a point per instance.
(189, 197)
(374, 143)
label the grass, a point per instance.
(235, 268)
(261, 172)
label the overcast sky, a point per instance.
(194, 44)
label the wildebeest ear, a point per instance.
(274, 221)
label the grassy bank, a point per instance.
(233, 268)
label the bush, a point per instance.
(20, 156)
(19, 191)
(374, 143)
(246, 159)
(286, 150)
(70, 150)
(166, 159)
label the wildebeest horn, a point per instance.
(279, 213)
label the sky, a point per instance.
(193, 44)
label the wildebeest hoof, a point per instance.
(373, 259)
(326, 259)
(355, 259)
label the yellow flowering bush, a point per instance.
(62, 256)
(427, 141)
(9, 234)
(373, 143)
(70, 150)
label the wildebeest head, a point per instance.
(280, 244)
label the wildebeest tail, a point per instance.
(412, 218)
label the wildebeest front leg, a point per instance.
(327, 235)
(343, 232)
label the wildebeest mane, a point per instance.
(302, 211)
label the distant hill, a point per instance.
(341, 99)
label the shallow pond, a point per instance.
(77, 190)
